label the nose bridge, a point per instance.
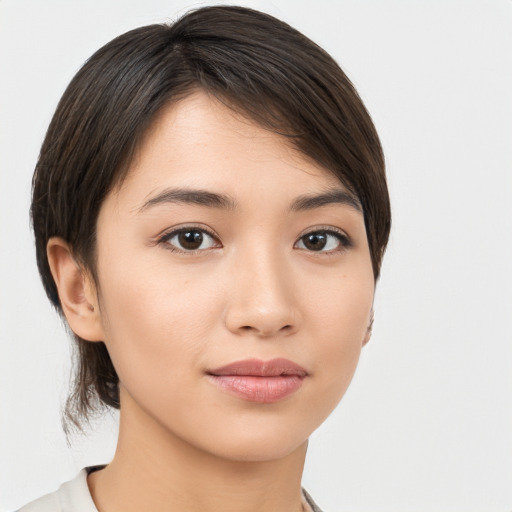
(261, 298)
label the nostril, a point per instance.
(249, 328)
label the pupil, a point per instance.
(191, 239)
(315, 242)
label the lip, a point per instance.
(259, 381)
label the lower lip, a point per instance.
(264, 390)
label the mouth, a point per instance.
(259, 381)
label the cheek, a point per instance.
(155, 319)
(339, 307)
(340, 314)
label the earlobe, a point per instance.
(76, 290)
(368, 334)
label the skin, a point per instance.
(252, 290)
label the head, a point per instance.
(213, 63)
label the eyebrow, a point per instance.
(191, 196)
(334, 196)
(226, 202)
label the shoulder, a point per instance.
(72, 496)
(47, 503)
(309, 500)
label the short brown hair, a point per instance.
(252, 62)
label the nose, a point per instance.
(261, 295)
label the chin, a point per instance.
(259, 450)
(254, 443)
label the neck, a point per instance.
(155, 470)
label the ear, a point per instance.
(77, 292)
(368, 334)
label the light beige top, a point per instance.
(74, 496)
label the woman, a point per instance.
(210, 212)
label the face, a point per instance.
(235, 285)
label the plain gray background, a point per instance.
(427, 423)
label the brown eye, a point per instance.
(315, 241)
(323, 241)
(190, 240)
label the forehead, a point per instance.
(199, 142)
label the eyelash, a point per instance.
(343, 240)
(166, 237)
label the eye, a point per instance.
(189, 240)
(323, 241)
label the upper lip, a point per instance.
(258, 368)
